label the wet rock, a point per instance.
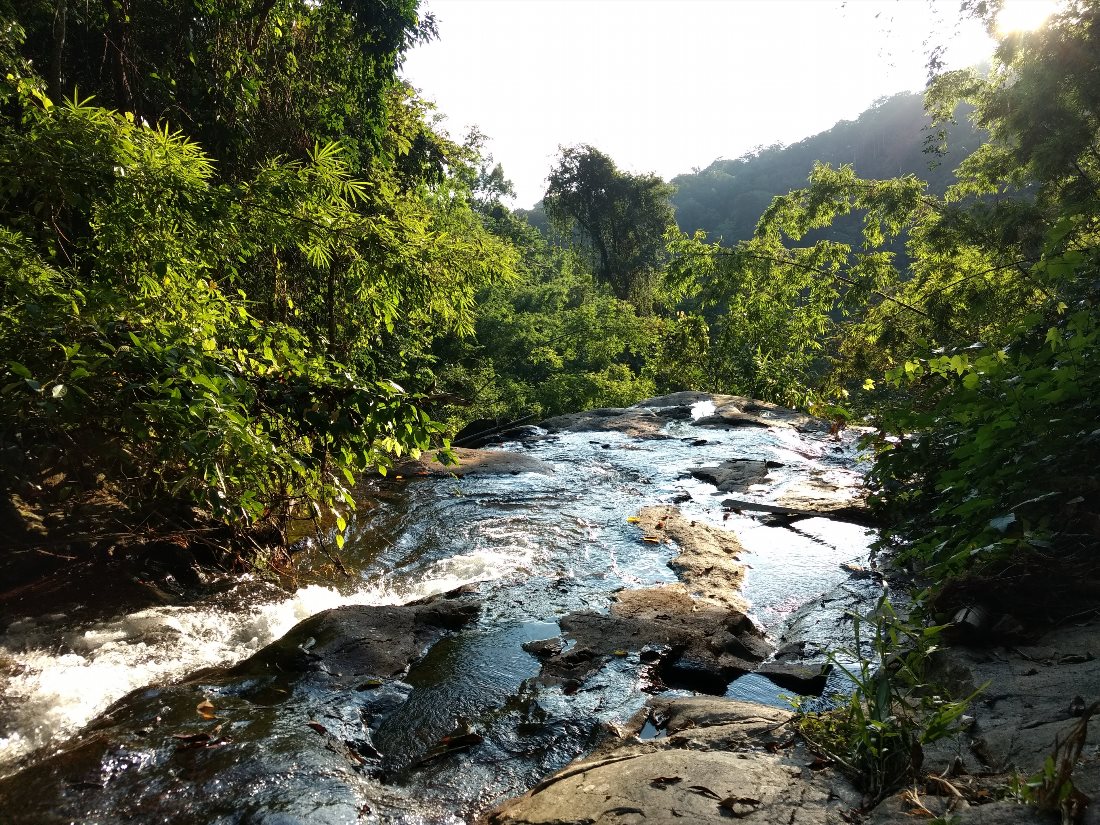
(483, 432)
(734, 475)
(475, 462)
(349, 644)
(638, 423)
(646, 418)
(285, 736)
(684, 399)
(544, 648)
(708, 562)
(737, 411)
(805, 680)
(702, 645)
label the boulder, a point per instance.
(709, 769)
(285, 736)
(475, 462)
(734, 475)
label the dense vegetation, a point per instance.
(222, 230)
(890, 139)
(977, 350)
(240, 267)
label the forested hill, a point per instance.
(888, 140)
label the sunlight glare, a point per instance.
(1024, 15)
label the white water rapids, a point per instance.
(561, 540)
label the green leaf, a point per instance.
(19, 369)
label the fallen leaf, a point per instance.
(740, 806)
(632, 520)
(703, 790)
(317, 726)
(662, 782)
(205, 709)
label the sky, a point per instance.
(665, 86)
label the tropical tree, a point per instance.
(178, 324)
(619, 218)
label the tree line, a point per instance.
(240, 267)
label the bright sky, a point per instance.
(666, 85)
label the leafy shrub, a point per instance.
(877, 736)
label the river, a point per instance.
(539, 544)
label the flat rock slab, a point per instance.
(475, 462)
(666, 786)
(1028, 705)
(734, 475)
(708, 562)
(635, 422)
(822, 497)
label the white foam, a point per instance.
(55, 680)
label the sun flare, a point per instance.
(1024, 15)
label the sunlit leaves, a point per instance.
(225, 339)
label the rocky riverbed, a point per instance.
(632, 589)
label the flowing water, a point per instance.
(542, 544)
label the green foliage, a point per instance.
(878, 735)
(991, 448)
(994, 466)
(726, 199)
(235, 339)
(249, 81)
(554, 342)
(619, 218)
(985, 331)
(1052, 787)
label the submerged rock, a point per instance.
(285, 736)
